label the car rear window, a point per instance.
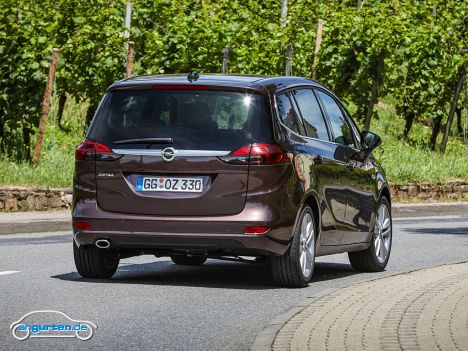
(194, 119)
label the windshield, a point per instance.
(188, 119)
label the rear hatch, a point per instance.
(164, 149)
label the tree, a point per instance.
(90, 35)
(355, 51)
(25, 49)
(426, 67)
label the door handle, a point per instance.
(318, 160)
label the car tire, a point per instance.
(188, 260)
(295, 268)
(376, 256)
(93, 262)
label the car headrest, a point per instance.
(196, 115)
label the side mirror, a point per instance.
(369, 141)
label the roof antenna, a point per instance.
(192, 76)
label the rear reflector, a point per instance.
(89, 148)
(81, 225)
(180, 87)
(256, 230)
(258, 154)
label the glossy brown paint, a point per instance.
(224, 190)
(330, 175)
(214, 221)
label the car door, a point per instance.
(359, 195)
(362, 191)
(327, 173)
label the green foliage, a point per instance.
(92, 54)
(57, 163)
(429, 61)
(411, 160)
(421, 51)
(90, 36)
(170, 34)
(25, 29)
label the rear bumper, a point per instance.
(192, 243)
(165, 233)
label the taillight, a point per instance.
(256, 230)
(89, 149)
(267, 153)
(258, 154)
(81, 225)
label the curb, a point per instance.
(35, 222)
(265, 338)
(430, 209)
(41, 226)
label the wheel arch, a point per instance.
(385, 192)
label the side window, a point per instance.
(309, 108)
(287, 113)
(342, 133)
(355, 129)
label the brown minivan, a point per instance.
(224, 167)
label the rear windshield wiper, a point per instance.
(146, 141)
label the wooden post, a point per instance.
(318, 44)
(288, 68)
(227, 51)
(45, 105)
(360, 3)
(284, 13)
(452, 112)
(131, 54)
(128, 19)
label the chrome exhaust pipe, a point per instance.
(102, 243)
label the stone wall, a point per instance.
(13, 198)
(428, 192)
(33, 199)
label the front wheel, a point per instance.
(375, 258)
(295, 268)
(93, 262)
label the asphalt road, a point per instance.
(154, 304)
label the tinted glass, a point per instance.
(355, 129)
(201, 120)
(314, 123)
(342, 133)
(287, 113)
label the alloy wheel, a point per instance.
(307, 245)
(382, 233)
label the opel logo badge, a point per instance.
(168, 154)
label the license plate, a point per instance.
(174, 184)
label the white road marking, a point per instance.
(9, 272)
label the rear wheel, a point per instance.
(375, 258)
(92, 262)
(296, 267)
(188, 260)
